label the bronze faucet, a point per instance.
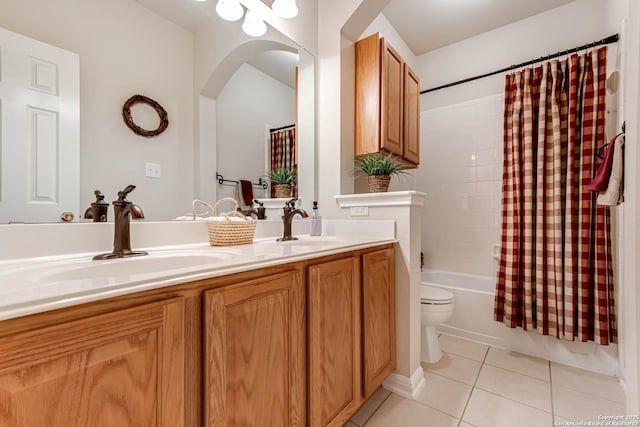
(98, 209)
(123, 210)
(289, 211)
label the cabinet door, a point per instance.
(368, 63)
(378, 318)
(411, 138)
(254, 372)
(119, 369)
(392, 101)
(334, 341)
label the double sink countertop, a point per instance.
(33, 285)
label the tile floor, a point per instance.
(475, 385)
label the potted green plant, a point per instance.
(282, 180)
(379, 168)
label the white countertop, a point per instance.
(33, 285)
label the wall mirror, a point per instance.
(182, 57)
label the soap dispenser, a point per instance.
(98, 210)
(316, 221)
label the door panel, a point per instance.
(378, 318)
(411, 116)
(120, 369)
(255, 352)
(39, 130)
(334, 344)
(392, 100)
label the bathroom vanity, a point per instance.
(290, 335)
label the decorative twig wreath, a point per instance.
(162, 113)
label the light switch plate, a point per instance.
(359, 211)
(152, 170)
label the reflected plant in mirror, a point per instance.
(282, 180)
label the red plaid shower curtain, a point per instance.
(283, 153)
(555, 273)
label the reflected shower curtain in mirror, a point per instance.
(283, 153)
(555, 272)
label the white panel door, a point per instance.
(39, 130)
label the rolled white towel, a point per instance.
(613, 196)
(189, 218)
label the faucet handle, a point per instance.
(122, 195)
(291, 204)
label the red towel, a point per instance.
(601, 180)
(247, 192)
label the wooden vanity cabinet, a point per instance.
(334, 341)
(387, 102)
(352, 333)
(123, 368)
(255, 353)
(378, 319)
(305, 343)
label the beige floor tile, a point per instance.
(398, 411)
(518, 362)
(463, 424)
(444, 394)
(521, 388)
(578, 406)
(462, 347)
(559, 420)
(489, 410)
(587, 382)
(370, 406)
(455, 367)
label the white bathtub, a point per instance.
(472, 318)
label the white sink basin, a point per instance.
(150, 264)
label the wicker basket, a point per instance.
(228, 232)
(379, 183)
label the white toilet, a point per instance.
(436, 306)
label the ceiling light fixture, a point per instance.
(285, 8)
(253, 24)
(229, 10)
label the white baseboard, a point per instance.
(405, 386)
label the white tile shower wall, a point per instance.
(461, 172)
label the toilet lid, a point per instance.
(433, 294)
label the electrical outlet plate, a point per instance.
(359, 211)
(152, 170)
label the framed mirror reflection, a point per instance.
(184, 59)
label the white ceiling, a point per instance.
(426, 25)
(279, 64)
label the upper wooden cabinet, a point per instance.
(255, 347)
(124, 368)
(387, 102)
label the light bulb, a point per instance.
(229, 10)
(285, 8)
(253, 24)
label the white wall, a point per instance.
(249, 104)
(124, 50)
(461, 172)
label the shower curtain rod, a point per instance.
(282, 128)
(608, 40)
